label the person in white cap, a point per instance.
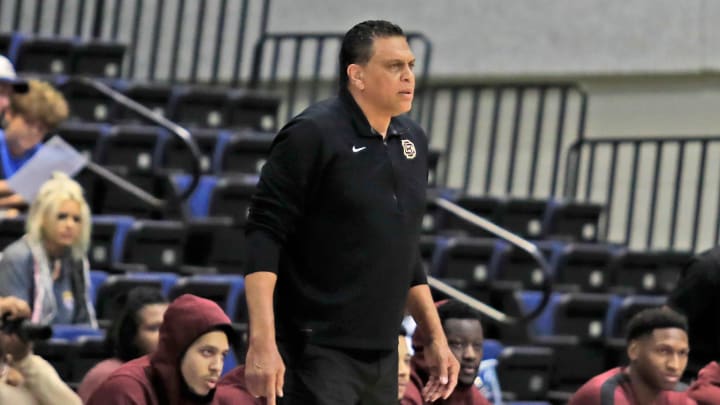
(9, 83)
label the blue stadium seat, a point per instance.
(97, 58)
(484, 206)
(132, 147)
(73, 332)
(97, 278)
(11, 229)
(466, 264)
(153, 95)
(155, 245)
(571, 221)
(513, 265)
(583, 267)
(522, 216)
(173, 155)
(231, 197)
(246, 108)
(492, 349)
(199, 201)
(524, 372)
(83, 136)
(222, 289)
(86, 103)
(543, 325)
(647, 272)
(198, 106)
(108, 240)
(245, 152)
(167, 280)
(39, 54)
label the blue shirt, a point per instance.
(10, 163)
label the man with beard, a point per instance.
(465, 337)
(657, 346)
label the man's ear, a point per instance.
(633, 350)
(355, 76)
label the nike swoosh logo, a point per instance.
(356, 150)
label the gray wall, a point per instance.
(535, 37)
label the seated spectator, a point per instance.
(403, 363)
(134, 333)
(465, 337)
(28, 119)
(9, 83)
(657, 346)
(706, 389)
(39, 382)
(48, 266)
(186, 366)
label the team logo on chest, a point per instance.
(408, 149)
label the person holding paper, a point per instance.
(48, 266)
(28, 118)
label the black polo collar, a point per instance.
(360, 122)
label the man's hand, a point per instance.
(14, 307)
(15, 348)
(443, 368)
(264, 371)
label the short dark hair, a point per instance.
(121, 337)
(357, 43)
(453, 309)
(646, 321)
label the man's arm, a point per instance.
(44, 383)
(292, 170)
(442, 365)
(264, 368)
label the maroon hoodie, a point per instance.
(232, 389)
(706, 389)
(156, 379)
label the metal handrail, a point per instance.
(182, 133)
(510, 237)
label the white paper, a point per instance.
(56, 155)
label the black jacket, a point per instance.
(337, 215)
(697, 295)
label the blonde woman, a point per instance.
(48, 266)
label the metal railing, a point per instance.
(303, 67)
(503, 139)
(180, 132)
(660, 193)
(513, 239)
(187, 41)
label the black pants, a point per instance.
(319, 375)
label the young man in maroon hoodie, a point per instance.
(465, 337)
(657, 346)
(706, 389)
(185, 368)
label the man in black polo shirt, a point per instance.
(333, 237)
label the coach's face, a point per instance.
(660, 358)
(386, 81)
